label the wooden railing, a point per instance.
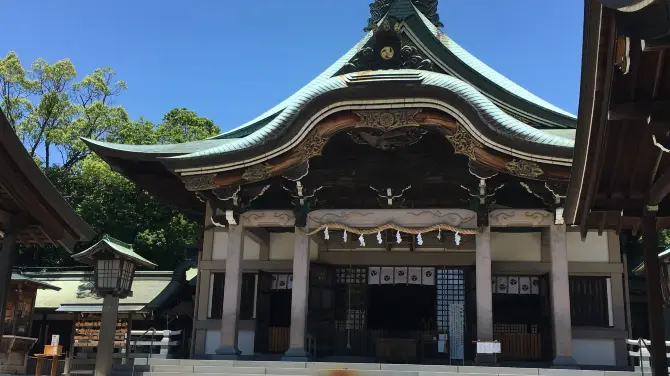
(638, 350)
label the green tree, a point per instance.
(50, 110)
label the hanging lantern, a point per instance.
(379, 237)
(345, 236)
(398, 238)
(457, 238)
(419, 239)
(326, 235)
(361, 240)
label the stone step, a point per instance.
(241, 367)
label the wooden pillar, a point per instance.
(299, 295)
(560, 297)
(483, 291)
(6, 262)
(232, 292)
(659, 363)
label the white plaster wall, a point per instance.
(507, 246)
(594, 352)
(252, 249)
(593, 249)
(245, 341)
(281, 247)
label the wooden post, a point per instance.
(70, 353)
(659, 362)
(54, 365)
(40, 362)
(6, 261)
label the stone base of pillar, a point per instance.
(295, 354)
(564, 362)
(227, 352)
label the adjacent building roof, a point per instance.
(24, 188)
(75, 291)
(39, 284)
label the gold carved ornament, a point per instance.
(258, 172)
(311, 146)
(524, 168)
(464, 143)
(387, 120)
(199, 182)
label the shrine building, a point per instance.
(408, 200)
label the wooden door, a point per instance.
(263, 312)
(321, 312)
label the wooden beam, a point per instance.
(639, 110)
(660, 189)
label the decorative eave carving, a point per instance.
(464, 143)
(268, 218)
(258, 172)
(520, 218)
(199, 182)
(387, 120)
(461, 218)
(524, 168)
(311, 147)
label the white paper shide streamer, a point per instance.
(361, 240)
(379, 237)
(398, 238)
(345, 236)
(326, 235)
(457, 238)
(419, 239)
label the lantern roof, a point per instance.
(115, 247)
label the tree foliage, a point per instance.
(50, 109)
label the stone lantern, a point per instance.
(115, 263)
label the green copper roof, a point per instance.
(116, 246)
(491, 114)
(468, 78)
(488, 72)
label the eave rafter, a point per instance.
(381, 121)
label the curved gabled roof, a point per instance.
(494, 117)
(504, 107)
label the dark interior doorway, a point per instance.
(522, 324)
(401, 308)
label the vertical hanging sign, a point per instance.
(456, 328)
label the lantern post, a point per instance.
(114, 263)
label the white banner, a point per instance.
(373, 275)
(387, 275)
(400, 276)
(513, 285)
(501, 285)
(525, 285)
(282, 282)
(275, 277)
(428, 276)
(535, 285)
(414, 276)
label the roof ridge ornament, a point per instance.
(379, 9)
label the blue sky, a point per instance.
(232, 60)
